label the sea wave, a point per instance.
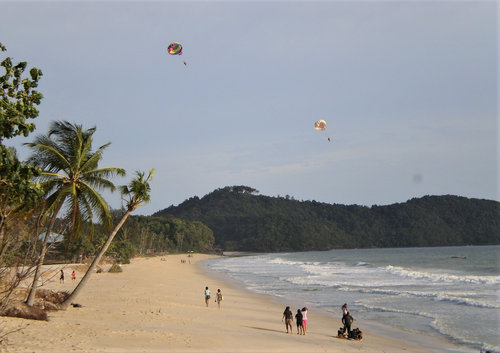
(457, 298)
(440, 326)
(441, 277)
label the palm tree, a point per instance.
(71, 180)
(135, 194)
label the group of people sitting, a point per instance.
(301, 321)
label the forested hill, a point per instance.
(245, 221)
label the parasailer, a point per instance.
(321, 125)
(175, 48)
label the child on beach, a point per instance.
(304, 319)
(61, 279)
(298, 320)
(219, 298)
(288, 317)
(207, 296)
(73, 276)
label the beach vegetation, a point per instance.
(71, 180)
(20, 193)
(115, 268)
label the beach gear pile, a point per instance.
(354, 334)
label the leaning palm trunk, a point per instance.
(138, 192)
(64, 305)
(31, 297)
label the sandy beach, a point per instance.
(157, 305)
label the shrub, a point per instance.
(115, 268)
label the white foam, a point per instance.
(442, 277)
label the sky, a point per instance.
(409, 91)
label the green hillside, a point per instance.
(243, 220)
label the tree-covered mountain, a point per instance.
(243, 220)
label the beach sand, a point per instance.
(157, 305)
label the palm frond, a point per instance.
(94, 159)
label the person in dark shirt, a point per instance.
(288, 317)
(298, 320)
(346, 320)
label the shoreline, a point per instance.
(156, 305)
(436, 342)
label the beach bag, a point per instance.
(356, 334)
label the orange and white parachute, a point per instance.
(320, 125)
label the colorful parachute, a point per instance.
(320, 125)
(175, 48)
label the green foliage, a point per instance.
(123, 250)
(71, 174)
(18, 101)
(17, 185)
(144, 235)
(158, 234)
(18, 98)
(244, 221)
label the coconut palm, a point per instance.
(71, 180)
(135, 194)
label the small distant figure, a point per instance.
(298, 320)
(304, 319)
(73, 276)
(61, 278)
(288, 317)
(207, 296)
(219, 298)
(346, 320)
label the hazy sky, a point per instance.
(409, 90)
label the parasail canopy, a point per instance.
(175, 48)
(320, 125)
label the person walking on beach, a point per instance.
(207, 296)
(73, 276)
(298, 320)
(219, 298)
(61, 279)
(304, 319)
(288, 317)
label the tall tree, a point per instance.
(135, 193)
(18, 101)
(72, 180)
(18, 104)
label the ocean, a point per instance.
(448, 292)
